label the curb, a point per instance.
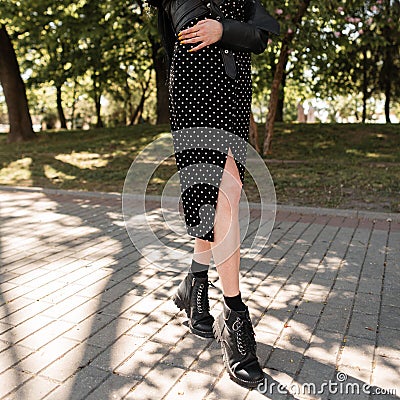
(371, 215)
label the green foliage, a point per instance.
(103, 52)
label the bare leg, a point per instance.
(226, 245)
(202, 251)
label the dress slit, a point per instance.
(205, 103)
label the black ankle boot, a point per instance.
(234, 330)
(192, 295)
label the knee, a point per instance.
(230, 191)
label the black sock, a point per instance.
(199, 270)
(235, 303)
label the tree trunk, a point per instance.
(99, 123)
(74, 100)
(364, 88)
(280, 68)
(60, 110)
(139, 109)
(253, 134)
(387, 104)
(14, 92)
(97, 103)
(387, 79)
(162, 89)
(281, 99)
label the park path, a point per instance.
(85, 316)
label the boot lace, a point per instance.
(245, 336)
(202, 303)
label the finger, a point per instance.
(192, 35)
(188, 31)
(199, 47)
(192, 40)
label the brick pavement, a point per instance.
(85, 316)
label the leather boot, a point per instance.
(192, 296)
(234, 330)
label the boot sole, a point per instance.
(232, 376)
(181, 305)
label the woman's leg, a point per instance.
(226, 245)
(233, 327)
(202, 251)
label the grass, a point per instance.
(327, 165)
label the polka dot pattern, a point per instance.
(201, 95)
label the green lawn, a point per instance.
(327, 165)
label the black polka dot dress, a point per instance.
(210, 113)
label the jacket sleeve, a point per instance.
(252, 35)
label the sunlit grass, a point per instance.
(16, 171)
(84, 159)
(328, 165)
(51, 173)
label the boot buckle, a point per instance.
(237, 324)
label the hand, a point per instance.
(206, 31)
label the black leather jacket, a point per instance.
(249, 36)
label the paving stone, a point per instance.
(186, 351)
(170, 333)
(79, 386)
(273, 321)
(114, 387)
(334, 319)
(109, 334)
(386, 373)
(226, 388)
(210, 360)
(27, 328)
(12, 355)
(301, 326)
(388, 342)
(143, 360)
(25, 313)
(159, 381)
(289, 342)
(70, 363)
(390, 317)
(11, 304)
(363, 325)
(390, 296)
(82, 311)
(45, 335)
(324, 346)
(117, 353)
(312, 381)
(88, 327)
(193, 385)
(366, 303)
(342, 299)
(357, 353)
(10, 380)
(35, 388)
(105, 327)
(370, 286)
(310, 307)
(46, 355)
(284, 360)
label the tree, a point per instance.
(14, 92)
(279, 72)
